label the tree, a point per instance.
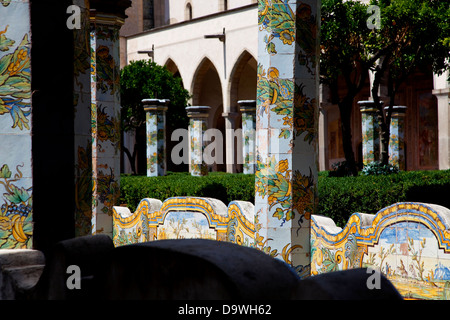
(344, 59)
(147, 80)
(414, 35)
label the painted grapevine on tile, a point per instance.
(277, 18)
(107, 76)
(83, 189)
(285, 178)
(15, 77)
(305, 115)
(275, 95)
(107, 128)
(107, 189)
(16, 211)
(16, 216)
(306, 38)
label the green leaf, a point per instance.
(5, 3)
(279, 214)
(285, 134)
(5, 43)
(5, 172)
(17, 195)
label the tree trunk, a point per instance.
(131, 157)
(345, 108)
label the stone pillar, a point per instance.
(442, 93)
(248, 110)
(370, 132)
(82, 124)
(287, 130)
(231, 158)
(16, 178)
(323, 136)
(397, 137)
(106, 19)
(198, 124)
(155, 110)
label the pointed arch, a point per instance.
(242, 84)
(206, 90)
(173, 68)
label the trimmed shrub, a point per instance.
(340, 197)
(222, 186)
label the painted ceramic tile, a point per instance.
(185, 225)
(248, 142)
(82, 126)
(156, 149)
(183, 218)
(105, 121)
(408, 242)
(197, 147)
(16, 224)
(397, 141)
(370, 137)
(286, 104)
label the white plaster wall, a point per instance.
(186, 46)
(201, 8)
(239, 3)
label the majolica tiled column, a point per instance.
(397, 137)
(155, 110)
(197, 126)
(370, 132)
(106, 20)
(16, 177)
(287, 130)
(82, 123)
(248, 110)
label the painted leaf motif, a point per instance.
(5, 43)
(5, 3)
(17, 195)
(5, 172)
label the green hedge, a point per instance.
(222, 186)
(340, 197)
(343, 196)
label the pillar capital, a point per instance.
(103, 11)
(397, 110)
(247, 106)
(154, 105)
(195, 112)
(367, 106)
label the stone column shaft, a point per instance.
(248, 110)
(105, 112)
(397, 137)
(287, 130)
(370, 132)
(156, 136)
(198, 124)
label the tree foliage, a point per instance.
(147, 80)
(413, 34)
